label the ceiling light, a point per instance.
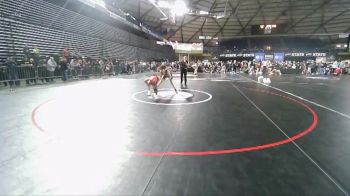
(100, 3)
(164, 4)
(338, 46)
(133, 17)
(219, 16)
(192, 12)
(203, 12)
(179, 8)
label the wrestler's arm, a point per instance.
(160, 81)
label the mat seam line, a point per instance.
(301, 98)
(296, 145)
(172, 139)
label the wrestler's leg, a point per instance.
(149, 86)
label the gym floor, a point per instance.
(231, 136)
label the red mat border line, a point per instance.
(218, 152)
(251, 148)
(36, 109)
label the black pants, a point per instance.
(13, 76)
(183, 74)
(234, 69)
(49, 76)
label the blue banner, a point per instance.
(259, 56)
(279, 57)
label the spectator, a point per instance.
(36, 58)
(109, 67)
(51, 66)
(66, 54)
(3, 74)
(117, 67)
(101, 64)
(337, 71)
(80, 67)
(12, 72)
(322, 69)
(30, 72)
(26, 52)
(134, 67)
(36, 55)
(74, 66)
(334, 66)
(85, 68)
(64, 67)
(128, 68)
(223, 69)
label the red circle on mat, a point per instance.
(225, 151)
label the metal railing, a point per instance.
(31, 74)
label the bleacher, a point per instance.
(53, 28)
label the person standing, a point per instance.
(183, 69)
(64, 67)
(66, 54)
(101, 65)
(12, 72)
(36, 58)
(26, 52)
(51, 67)
(234, 66)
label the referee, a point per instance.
(183, 69)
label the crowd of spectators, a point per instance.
(34, 67)
(269, 67)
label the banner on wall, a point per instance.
(295, 54)
(319, 54)
(239, 55)
(309, 54)
(269, 57)
(279, 57)
(195, 48)
(259, 56)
